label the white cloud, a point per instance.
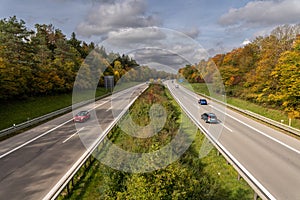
(246, 41)
(155, 45)
(107, 17)
(131, 36)
(193, 32)
(261, 13)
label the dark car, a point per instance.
(82, 116)
(209, 118)
(202, 102)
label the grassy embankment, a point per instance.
(18, 111)
(270, 113)
(187, 178)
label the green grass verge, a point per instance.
(270, 113)
(18, 111)
(98, 181)
(218, 168)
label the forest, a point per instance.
(266, 71)
(45, 62)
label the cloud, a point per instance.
(136, 36)
(161, 56)
(193, 32)
(218, 48)
(246, 41)
(262, 13)
(113, 16)
(150, 45)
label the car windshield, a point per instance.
(81, 114)
(212, 116)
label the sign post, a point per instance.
(109, 82)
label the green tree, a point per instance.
(15, 57)
(43, 73)
(67, 61)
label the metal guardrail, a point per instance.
(67, 178)
(37, 120)
(254, 183)
(259, 117)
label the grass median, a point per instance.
(188, 177)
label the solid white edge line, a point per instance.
(264, 134)
(88, 151)
(33, 139)
(251, 177)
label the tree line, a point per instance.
(45, 62)
(265, 71)
(39, 62)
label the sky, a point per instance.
(217, 26)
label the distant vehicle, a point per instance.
(82, 116)
(177, 86)
(209, 118)
(202, 102)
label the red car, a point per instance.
(82, 116)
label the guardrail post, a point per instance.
(218, 153)
(68, 189)
(72, 181)
(239, 177)
(255, 196)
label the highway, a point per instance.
(269, 156)
(31, 163)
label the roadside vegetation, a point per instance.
(18, 111)
(263, 110)
(38, 69)
(187, 178)
(265, 72)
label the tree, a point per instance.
(15, 57)
(287, 76)
(43, 74)
(67, 61)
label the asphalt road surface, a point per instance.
(33, 162)
(270, 157)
